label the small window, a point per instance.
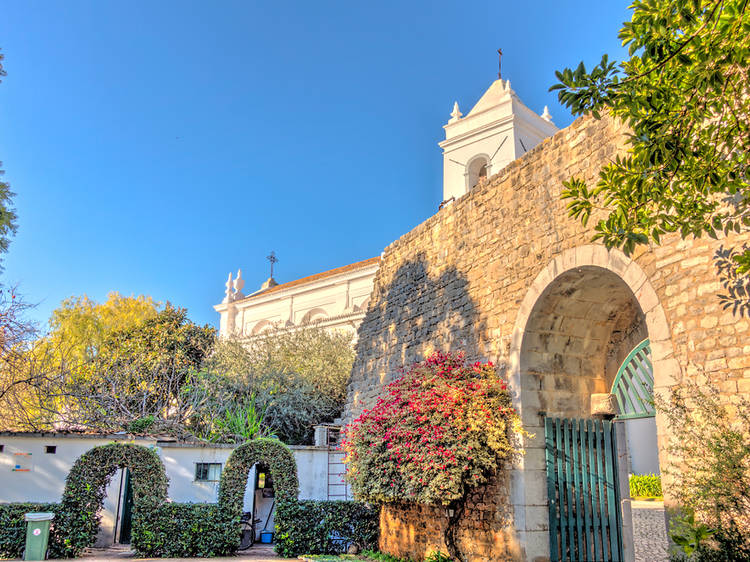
(2, 448)
(207, 471)
(50, 449)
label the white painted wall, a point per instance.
(643, 450)
(337, 300)
(499, 128)
(45, 480)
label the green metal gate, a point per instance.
(582, 487)
(634, 384)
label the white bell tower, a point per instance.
(497, 130)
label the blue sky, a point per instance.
(155, 146)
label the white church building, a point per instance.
(497, 130)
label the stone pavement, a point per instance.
(650, 532)
(256, 553)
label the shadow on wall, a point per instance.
(415, 314)
(736, 286)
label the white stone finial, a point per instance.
(230, 289)
(239, 283)
(546, 115)
(455, 114)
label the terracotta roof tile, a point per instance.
(316, 277)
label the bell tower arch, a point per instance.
(497, 130)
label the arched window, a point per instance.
(314, 315)
(261, 327)
(477, 171)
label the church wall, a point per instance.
(467, 279)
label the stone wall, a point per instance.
(504, 274)
(484, 533)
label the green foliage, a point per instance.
(138, 373)
(298, 378)
(324, 527)
(222, 409)
(383, 557)
(437, 556)
(645, 486)
(80, 325)
(85, 487)
(178, 530)
(270, 453)
(710, 439)
(684, 93)
(13, 526)
(688, 534)
(440, 430)
(239, 423)
(160, 528)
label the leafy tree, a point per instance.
(685, 94)
(7, 213)
(28, 374)
(138, 373)
(81, 325)
(296, 377)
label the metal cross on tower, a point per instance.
(499, 63)
(273, 259)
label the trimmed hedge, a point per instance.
(178, 530)
(13, 526)
(164, 529)
(271, 453)
(86, 485)
(324, 527)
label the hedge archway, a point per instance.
(271, 453)
(78, 516)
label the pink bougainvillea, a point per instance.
(443, 427)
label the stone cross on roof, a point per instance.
(273, 259)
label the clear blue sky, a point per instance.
(155, 146)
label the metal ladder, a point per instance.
(338, 489)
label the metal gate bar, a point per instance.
(582, 487)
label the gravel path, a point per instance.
(650, 532)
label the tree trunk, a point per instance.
(458, 507)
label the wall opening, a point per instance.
(580, 330)
(477, 171)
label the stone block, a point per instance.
(603, 405)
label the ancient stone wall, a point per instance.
(505, 275)
(413, 531)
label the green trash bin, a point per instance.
(37, 535)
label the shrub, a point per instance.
(13, 526)
(177, 530)
(324, 527)
(710, 439)
(298, 377)
(442, 428)
(271, 453)
(85, 488)
(437, 432)
(645, 486)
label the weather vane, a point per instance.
(500, 63)
(273, 259)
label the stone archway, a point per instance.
(579, 319)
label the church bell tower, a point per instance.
(497, 130)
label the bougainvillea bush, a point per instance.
(442, 428)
